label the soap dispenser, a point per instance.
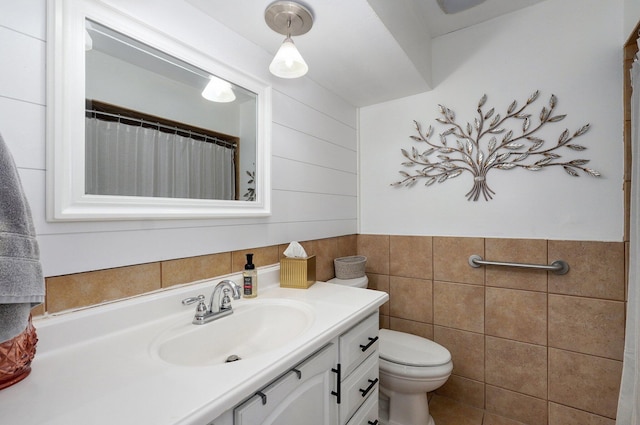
(250, 278)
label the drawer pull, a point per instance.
(371, 342)
(372, 383)
(338, 371)
(263, 396)
(373, 422)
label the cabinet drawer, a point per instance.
(358, 387)
(368, 413)
(357, 343)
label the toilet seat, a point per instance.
(411, 350)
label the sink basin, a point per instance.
(254, 328)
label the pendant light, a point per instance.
(289, 19)
(218, 90)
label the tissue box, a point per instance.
(298, 272)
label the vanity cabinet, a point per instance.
(337, 385)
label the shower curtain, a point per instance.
(629, 401)
(129, 160)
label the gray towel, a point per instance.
(21, 280)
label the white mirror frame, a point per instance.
(65, 196)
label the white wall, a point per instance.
(314, 194)
(571, 48)
(631, 17)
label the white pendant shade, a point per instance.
(218, 90)
(288, 62)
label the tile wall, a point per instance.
(528, 347)
(84, 289)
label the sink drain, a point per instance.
(232, 358)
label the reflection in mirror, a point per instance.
(157, 126)
(142, 125)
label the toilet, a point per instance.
(410, 366)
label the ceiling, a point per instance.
(366, 51)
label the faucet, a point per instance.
(219, 303)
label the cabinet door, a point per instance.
(301, 396)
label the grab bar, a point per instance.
(557, 267)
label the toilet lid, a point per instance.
(411, 350)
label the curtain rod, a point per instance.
(141, 121)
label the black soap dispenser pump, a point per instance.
(250, 278)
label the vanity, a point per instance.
(308, 354)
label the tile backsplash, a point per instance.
(529, 347)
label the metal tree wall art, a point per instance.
(489, 144)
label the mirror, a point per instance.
(142, 126)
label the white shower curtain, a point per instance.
(629, 401)
(130, 160)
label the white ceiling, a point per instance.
(366, 51)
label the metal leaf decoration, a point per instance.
(505, 149)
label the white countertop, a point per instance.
(97, 365)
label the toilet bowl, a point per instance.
(410, 366)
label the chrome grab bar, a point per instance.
(557, 267)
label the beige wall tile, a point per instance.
(326, 250)
(264, 256)
(532, 251)
(411, 299)
(424, 330)
(39, 310)
(467, 351)
(523, 408)
(384, 321)
(84, 289)
(446, 411)
(347, 245)
(380, 282)
(185, 270)
(516, 366)
(585, 382)
(587, 325)
(459, 306)
(376, 249)
(463, 390)
(627, 251)
(563, 415)
(516, 314)
(596, 269)
(411, 256)
(451, 260)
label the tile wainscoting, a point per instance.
(529, 347)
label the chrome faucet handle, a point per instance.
(192, 300)
(235, 288)
(201, 308)
(226, 300)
